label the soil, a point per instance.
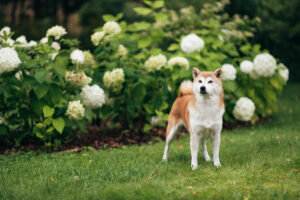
(94, 138)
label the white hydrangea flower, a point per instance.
(246, 66)
(32, 44)
(75, 110)
(244, 109)
(9, 60)
(228, 72)
(56, 46)
(10, 42)
(79, 79)
(53, 56)
(5, 29)
(156, 120)
(93, 96)
(44, 40)
(111, 28)
(180, 61)
(88, 60)
(56, 31)
(18, 75)
(97, 37)
(2, 120)
(22, 39)
(114, 80)
(264, 65)
(122, 51)
(284, 72)
(155, 62)
(191, 43)
(77, 57)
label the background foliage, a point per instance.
(279, 30)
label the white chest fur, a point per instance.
(206, 116)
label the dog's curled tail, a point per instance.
(186, 88)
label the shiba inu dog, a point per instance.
(200, 108)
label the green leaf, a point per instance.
(144, 42)
(48, 111)
(147, 128)
(59, 124)
(161, 17)
(39, 135)
(40, 75)
(41, 90)
(173, 47)
(149, 3)
(142, 11)
(139, 92)
(158, 4)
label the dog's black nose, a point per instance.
(202, 88)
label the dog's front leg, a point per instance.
(194, 143)
(216, 148)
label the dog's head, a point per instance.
(207, 83)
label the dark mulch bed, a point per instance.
(97, 139)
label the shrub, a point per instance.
(140, 67)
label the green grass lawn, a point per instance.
(261, 162)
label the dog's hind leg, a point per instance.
(171, 130)
(204, 150)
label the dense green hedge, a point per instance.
(138, 67)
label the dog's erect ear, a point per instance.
(196, 72)
(218, 73)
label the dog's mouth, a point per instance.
(203, 92)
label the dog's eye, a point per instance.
(210, 81)
(200, 81)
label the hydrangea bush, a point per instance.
(131, 77)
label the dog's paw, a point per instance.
(194, 167)
(208, 159)
(217, 164)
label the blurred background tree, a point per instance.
(279, 30)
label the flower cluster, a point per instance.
(191, 43)
(155, 62)
(155, 120)
(110, 29)
(122, 51)
(264, 65)
(97, 37)
(77, 57)
(180, 61)
(56, 31)
(244, 109)
(228, 72)
(9, 60)
(114, 79)
(284, 72)
(75, 110)
(6, 30)
(88, 59)
(77, 79)
(246, 66)
(93, 96)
